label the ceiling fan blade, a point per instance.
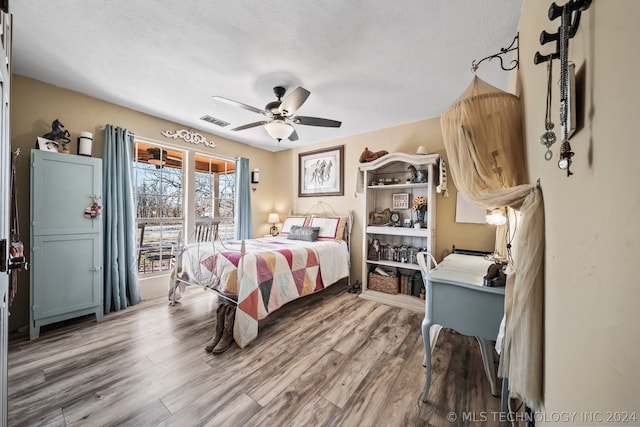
(293, 136)
(293, 101)
(240, 104)
(250, 125)
(316, 121)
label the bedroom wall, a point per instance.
(277, 191)
(35, 105)
(406, 138)
(592, 344)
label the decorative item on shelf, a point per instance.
(387, 282)
(420, 208)
(369, 156)
(395, 219)
(401, 201)
(273, 219)
(417, 176)
(414, 173)
(85, 141)
(421, 150)
(64, 148)
(374, 250)
(380, 218)
(56, 140)
(46, 145)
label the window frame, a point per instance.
(189, 218)
(225, 230)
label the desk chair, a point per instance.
(455, 298)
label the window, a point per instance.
(215, 192)
(161, 177)
(158, 189)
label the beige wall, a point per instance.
(31, 116)
(405, 138)
(592, 343)
(34, 105)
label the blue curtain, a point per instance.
(243, 200)
(120, 267)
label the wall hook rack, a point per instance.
(575, 8)
(514, 62)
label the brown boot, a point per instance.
(222, 308)
(227, 332)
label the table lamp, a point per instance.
(273, 219)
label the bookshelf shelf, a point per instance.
(390, 243)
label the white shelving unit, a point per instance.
(383, 178)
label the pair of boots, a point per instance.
(222, 340)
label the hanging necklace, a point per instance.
(565, 149)
(549, 137)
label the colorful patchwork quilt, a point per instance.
(273, 272)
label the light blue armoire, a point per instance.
(66, 245)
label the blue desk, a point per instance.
(456, 299)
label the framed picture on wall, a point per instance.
(321, 172)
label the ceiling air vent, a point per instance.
(213, 120)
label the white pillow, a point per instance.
(331, 228)
(291, 220)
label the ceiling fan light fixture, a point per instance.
(156, 162)
(278, 129)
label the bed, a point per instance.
(261, 275)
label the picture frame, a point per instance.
(400, 201)
(321, 172)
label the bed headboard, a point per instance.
(324, 209)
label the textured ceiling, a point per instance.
(370, 64)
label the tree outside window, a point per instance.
(158, 187)
(159, 181)
(215, 192)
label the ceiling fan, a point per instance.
(160, 158)
(280, 114)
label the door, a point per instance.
(64, 186)
(66, 274)
(5, 168)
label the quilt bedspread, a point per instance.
(275, 271)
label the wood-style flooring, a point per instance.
(330, 359)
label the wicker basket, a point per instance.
(384, 284)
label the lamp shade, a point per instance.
(278, 129)
(273, 218)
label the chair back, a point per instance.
(141, 226)
(206, 231)
(425, 264)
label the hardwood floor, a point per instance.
(328, 359)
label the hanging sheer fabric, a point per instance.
(120, 255)
(482, 134)
(244, 227)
